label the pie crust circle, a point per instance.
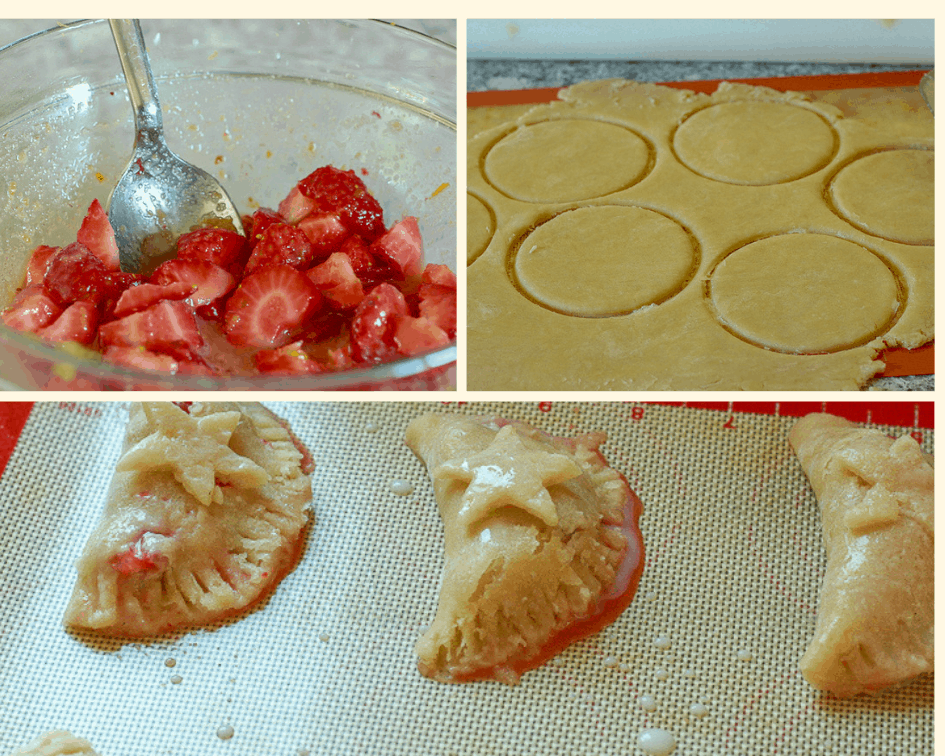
(754, 143)
(480, 226)
(566, 160)
(805, 293)
(889, 194)
(605, 260)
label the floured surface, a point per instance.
(840, 184)
(734, 559)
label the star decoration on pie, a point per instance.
(195, 450)
(507, 472)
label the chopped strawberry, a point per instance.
(208, 282)
(374, 323)
(342, 192)
(415, 335)
(77, 323)
(340, 358)
(98, 237)
(325, 231)
(39, 263)
(357, 251)
(401, 248)
(262, 219)
(164, 327)
(337, 282)
(31, 310)
(219, 246)
(268, 305)
(439, 275)
(296, 206)
(438, 305)
(139, 358)
(143, 296)
(75, 275)
(288, 359)
(281, 244)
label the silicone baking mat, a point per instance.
(845, 91)
(326, 666)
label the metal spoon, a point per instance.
(159, 196)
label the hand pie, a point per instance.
(204, 516)
(541, 543)
(58, 743)
(875, 620)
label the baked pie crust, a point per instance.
(204, 516)
(540, 536)
(875, 623)
(57, 743)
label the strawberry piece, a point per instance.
(440, 275)
(415, 335)
(208, 282)
(98, 237)
(163, 327)
(374, 323)
(357, 252)
(139, 358)
(438, 305)
(401, 248)
(287, 359)
(337, 282)
(262, 219)
(143, 296)
(342, 192)
(295, 206)
(77, 323)
(39, 263)
(31, 310)
(325, 231)
(219, 246)
(268, 305)
(281, 244)
(76, 275)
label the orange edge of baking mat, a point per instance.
(915, 415)
(899, 362)
(782, 84)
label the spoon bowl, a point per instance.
(160, 196)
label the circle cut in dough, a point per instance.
(889, 194)
(755, 143)
(805, 293)
(480, 226)
(605, 261)
(566, 160)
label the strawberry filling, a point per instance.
(321, 285)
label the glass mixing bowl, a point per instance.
(257, 103)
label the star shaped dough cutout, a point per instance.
(509, 473)
(194, 450)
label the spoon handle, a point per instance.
(137, 67)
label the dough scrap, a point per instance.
(521, 336)
(875, 620)
(540, 533)
(203, 517)
(57, 743)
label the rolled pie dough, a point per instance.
(634, 236)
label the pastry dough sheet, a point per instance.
(841, 183)
(328, 664)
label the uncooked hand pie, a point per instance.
(634, 236)
(875, 620)
(57, 743)
(204, 516)
(542, 545)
